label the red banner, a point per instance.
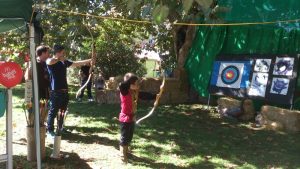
(10, 74)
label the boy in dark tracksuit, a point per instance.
(59, 97)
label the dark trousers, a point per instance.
(88, 87)
(58, 101)
(127, 130)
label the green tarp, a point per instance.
(2, 102)
(255, 39)
(260, 10)
(14, 14)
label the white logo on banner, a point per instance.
(8, 73)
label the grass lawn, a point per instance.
(176, 136)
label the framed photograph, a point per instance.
(284, 66)
(258, 84)
(280, 86)
(262, 65)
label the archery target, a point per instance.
(230, 75)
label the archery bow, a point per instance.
(162, 86)
(91, 68)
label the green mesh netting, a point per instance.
(260, 10)
(2, 102)
(255, 39)
(14, 13)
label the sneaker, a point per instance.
(65, 131)
(91, 100)
(51, 134)
(79, 100)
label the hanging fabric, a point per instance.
(2, 102)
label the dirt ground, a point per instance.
(94, 153)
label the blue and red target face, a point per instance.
(230, 75)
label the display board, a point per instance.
(267, 77)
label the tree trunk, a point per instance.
(184, 49)
(183, 39)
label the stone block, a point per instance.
(285, 119)
(230, 103)
(150, 85)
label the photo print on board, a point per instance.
(258, 84)
(284, 66)
(262, 65)
(280, 86)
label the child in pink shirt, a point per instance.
(129, 94)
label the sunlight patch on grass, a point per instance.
(222, 163)
(174, 159)
(194, 160)
(196, 107)
(176, 136)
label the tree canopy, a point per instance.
(117, 41)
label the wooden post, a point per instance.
(9, 148)
(36, 98)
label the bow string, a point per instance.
(91, 67)
(161, 90)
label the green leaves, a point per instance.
(160, 13)
(204, 3)
(187, 4)
(132, 4)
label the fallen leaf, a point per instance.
(207, 157)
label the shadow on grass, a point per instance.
(73, 161)
(144, 161)
(90, 130)
(193, 132)
(88, 138)
(139, 161)
(196, 132)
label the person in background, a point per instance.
(84, 75)
(100, 86)
(157, 69)
(42, 54)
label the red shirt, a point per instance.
(126, 114)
